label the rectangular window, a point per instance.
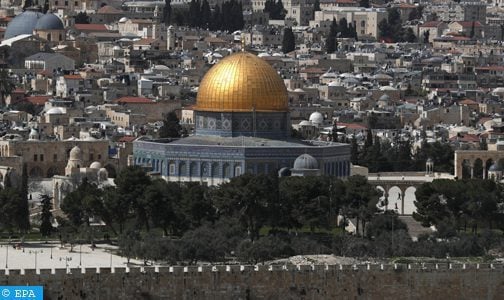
(35, 157)
(99, 156)
(91, 156)
(76, 3)
(41, 157)
(55, 157)
(66, 3)
(55, 3)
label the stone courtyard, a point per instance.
(51, 255)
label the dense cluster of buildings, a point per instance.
(93, 81)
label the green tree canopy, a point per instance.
(171, 126)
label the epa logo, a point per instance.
(24, 294)
(21, 292)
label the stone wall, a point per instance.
(443, 281)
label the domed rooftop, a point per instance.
(75, 153)
(305, 161)
(317, 118)
(384, 97)
(388, 88)
(95, 165)
(495, 168)
(49, 21)
(56, 111)
(34, 135)
(283, 172)
(242, 82)
(24, 23)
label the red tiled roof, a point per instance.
(134, 100)
(38, 100)
(337, 1)
(127, 139)
(406, 5)
(483, 120)
(107, 9)
(431, 24)
(452, 38)
(468, 102)
(45, 73)
(468, 138)
(354, 126)
(313, 70)
(91, 27)
(469, 24)
(141, 21)
(74, 77)
(491, 68)
(145, 41)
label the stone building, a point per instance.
(75, 173)
(46, 158)
(242, 125)
(49, 61)
(366, 20)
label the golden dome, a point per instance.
(242, 82)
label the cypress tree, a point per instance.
(364, 3)
(46, 7)
(369, 140)
(331, 42)
(354, 151)
(288, 43)
(171, 127)
(167, 11)
(193, 13)
(280, 10)
(46, 215)
(215, 22)
(343, 27)
(23, 217)
(206, 14)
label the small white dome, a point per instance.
(317, 118)
(384, 98)
(95, 165)
(488, 124)
(305, 162)
(123, 20)
(305, 123)
(75, 153)
(333, 83)
(387, 88)
(102, 174)
(56, 111)
(34, 135)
